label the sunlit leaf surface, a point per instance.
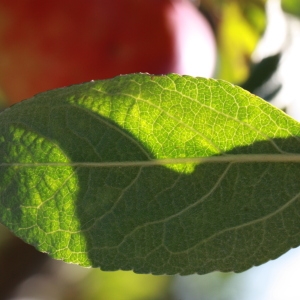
(159, 174)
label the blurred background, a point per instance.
(50, 44)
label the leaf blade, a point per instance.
(151, 216)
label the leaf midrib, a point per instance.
(225, 158)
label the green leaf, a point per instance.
(242, 23)
(160, 174)
(291, 6)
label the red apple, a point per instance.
(49, 44)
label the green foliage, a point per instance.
(124, 286)
(238, 25)
(291, 6)
(159, 174)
